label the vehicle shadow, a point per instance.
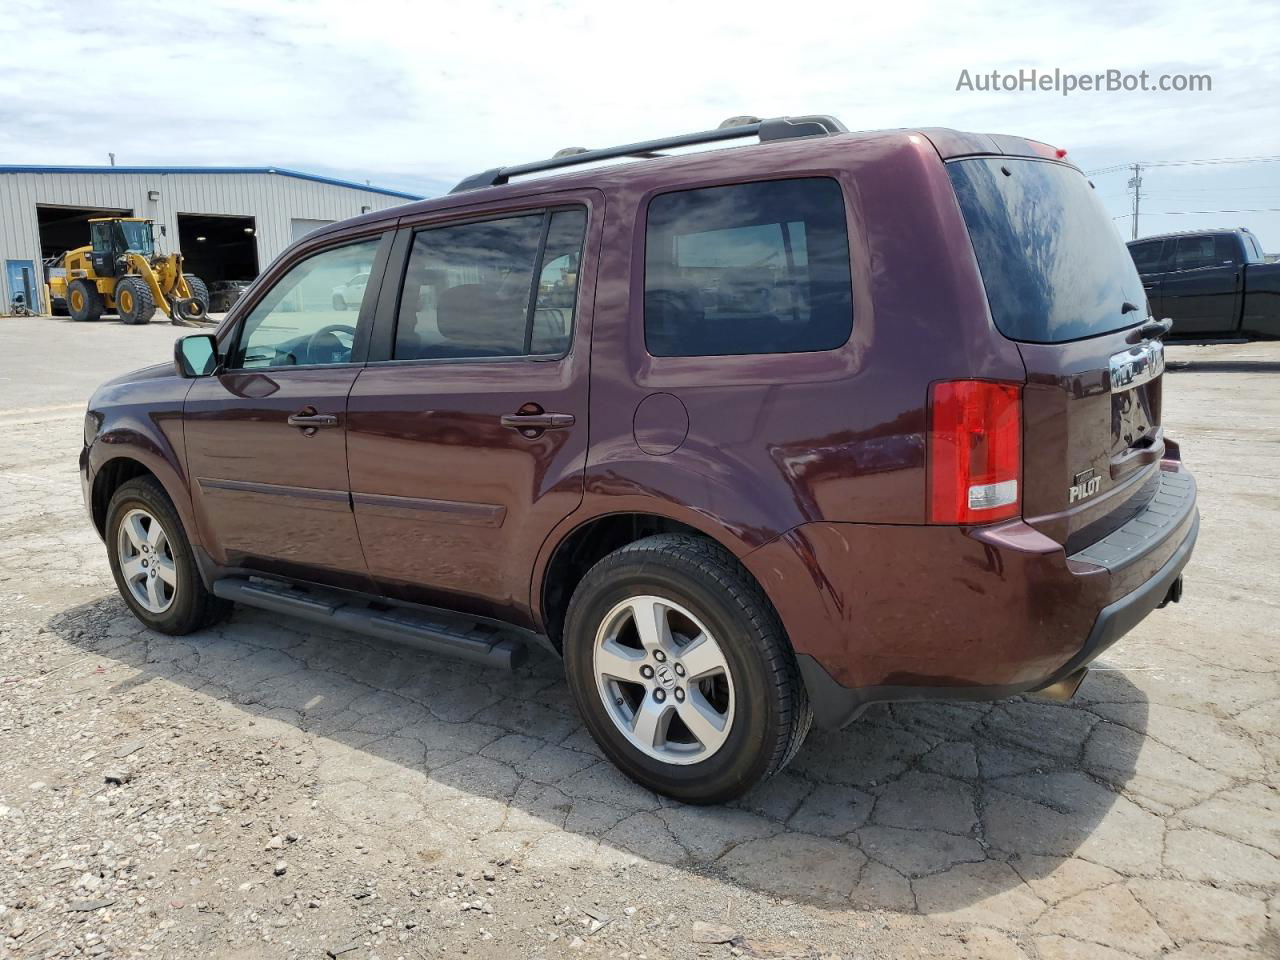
(944, 808)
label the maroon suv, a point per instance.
(750, 436)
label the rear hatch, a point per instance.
(1062, 285)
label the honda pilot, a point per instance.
(751, 437)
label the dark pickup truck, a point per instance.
(1210, 283)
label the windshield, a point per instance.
(137, 237)
(1053, 264)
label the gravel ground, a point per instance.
(268, 789)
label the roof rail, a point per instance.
(776, 128)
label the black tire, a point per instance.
(774, 717)
(192, 607)
(134, 302)
(199, 289)
(84, 302)
(338, 302)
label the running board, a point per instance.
(448, 634)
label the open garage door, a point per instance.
(65, 228)
(62, 229)
(218, 248)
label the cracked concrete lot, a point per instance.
(267, 789)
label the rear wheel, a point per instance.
(134, 301)
(682, 671)
(153, 563)
(84, 302)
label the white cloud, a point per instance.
(419, 95)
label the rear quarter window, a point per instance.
(1205, 250)
(749, 268)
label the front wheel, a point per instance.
(153, 563)
(681, 670)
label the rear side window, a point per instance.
(1146, 256)
(494, 288)
(747, 269)
(1208, 250)
(1052, 262)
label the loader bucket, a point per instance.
(188, 310)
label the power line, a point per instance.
(1252, 186)
(1187, 213)
(1135, 184)
(1180, 163)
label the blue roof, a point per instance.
(281, 171)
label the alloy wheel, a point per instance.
(664, 680)
(146, 561)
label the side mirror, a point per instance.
(196, 355)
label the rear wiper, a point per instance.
(1151, 330)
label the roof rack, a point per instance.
(775, 128)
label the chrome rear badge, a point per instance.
(1084, 486)
(1134, 367)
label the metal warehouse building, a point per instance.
(229, 222)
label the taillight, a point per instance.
(975, 451)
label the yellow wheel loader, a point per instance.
(121, 272)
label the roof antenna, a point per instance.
(113, 158)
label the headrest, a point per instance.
(476, 315)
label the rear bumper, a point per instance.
(932, 613)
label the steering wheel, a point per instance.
(313, 341)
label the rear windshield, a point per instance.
(1053, 263)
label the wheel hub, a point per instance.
(664, 680)
(146, 561)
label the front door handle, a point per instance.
(309, 419)
(538, 421)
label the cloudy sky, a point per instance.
(415, 95)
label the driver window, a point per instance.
(310, 315)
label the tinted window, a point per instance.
(1206, 250)
(310, 315)
(1146, 256)
(750, 268)
(1052, 262)
(558, 283)
(470, 289)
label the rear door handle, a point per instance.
(538, 421)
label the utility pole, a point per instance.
(1136, 183)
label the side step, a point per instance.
(448, 634)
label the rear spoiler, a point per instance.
(954, 144)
